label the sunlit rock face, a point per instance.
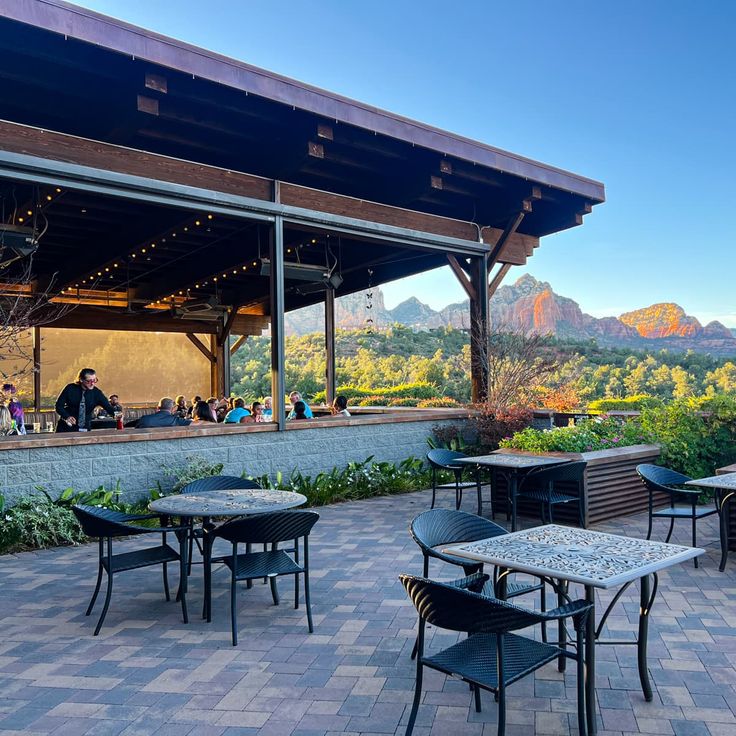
(662, 320)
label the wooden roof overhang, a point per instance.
(149, 133)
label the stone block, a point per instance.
(49, 454)
(110, 466)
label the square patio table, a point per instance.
(594, 560)
(511, 466)
(725, 490)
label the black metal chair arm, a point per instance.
(474, 582)
(577, 610)
(151, 529)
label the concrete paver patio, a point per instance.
(148, 673)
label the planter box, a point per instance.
(731, 511)
(612, 487)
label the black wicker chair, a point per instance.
(106, 524)
(658, 479)
(491, 658)
(541, 485)
(442, 460)
(269, 530)
(203, 485)
(442, 527)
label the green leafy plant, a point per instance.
(36, 522)
(630, 403)
(438, 403)
(196, 467)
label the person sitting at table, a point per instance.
(299, 411)
(77, 402)
(238, 412)
(218, 407)
(6, 421)
(194, 403)
(15, 407)
(202, 413)
(181, 407)
(166, 416)
(256, 414)
(115, 404)
(267, 408)
(294, 397)
(339, 407)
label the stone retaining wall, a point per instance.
(137, 457)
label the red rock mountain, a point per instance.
(533, 306)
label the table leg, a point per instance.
(590, 662)
(723, 515)
(512, 483)
(561, 631)
(646, 598)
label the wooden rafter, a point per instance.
(201, 347)
(462, 277)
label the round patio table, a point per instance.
(231, 502)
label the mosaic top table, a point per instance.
(595, 560)
(725, 490)
(511, 466)
(232, 502)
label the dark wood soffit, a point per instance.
(70, 149)
(111, 34)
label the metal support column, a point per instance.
(479, 330)
(37, 369)
(278, 359)
(330, 376)
(214, 372)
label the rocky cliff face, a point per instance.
(532, 306)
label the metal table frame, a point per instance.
(725, 491)
(559, 548)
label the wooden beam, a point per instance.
(508, 231)
(236, 345)
(461, 276)
(330, 370)
(36, 369)
(225, 334)
(498, 278)
(201, 347)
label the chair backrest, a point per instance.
(279, 526)
(98, 522)
(657, 478)
(218, 483)
(442, 526)
(452, 608)
(440, 458)
(566, 472)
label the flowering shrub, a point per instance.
(600, 433)
(439, 402)
(492, 425)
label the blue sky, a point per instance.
(639, 95)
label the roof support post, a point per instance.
(330, 374)
(278, 359)
(37, 369)
(236, 345)
(479, 331)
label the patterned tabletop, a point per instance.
(578, 555)
(512, 461)
(234, 502)
(726, 481)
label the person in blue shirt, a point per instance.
(237, 412)
(295, 396)
(267, 408)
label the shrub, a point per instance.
(587, 435)
(697, 435)
(36, 522)
(439, 402)
(448, 436)
(373, 401)
(197, 467)
(631, 403)
(405, 402)
(418, 390)
(492, 425)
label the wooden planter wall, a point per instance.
(612, 487)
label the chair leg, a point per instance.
(672, 526)
(274, 589)
(695, 535)
(107, 603)
(191, 546)
(166, 581)
(723, 518)
(543, 608)
(307, 602)
(501, 709)
(234, 608)
(434, 487)
(476, 693)
(415, 703)
(549, 512)
(97, 590)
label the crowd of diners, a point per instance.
(81, 402)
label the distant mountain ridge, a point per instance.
(532, 306)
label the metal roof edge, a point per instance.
(116, 35)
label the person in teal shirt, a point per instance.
(237, 412)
